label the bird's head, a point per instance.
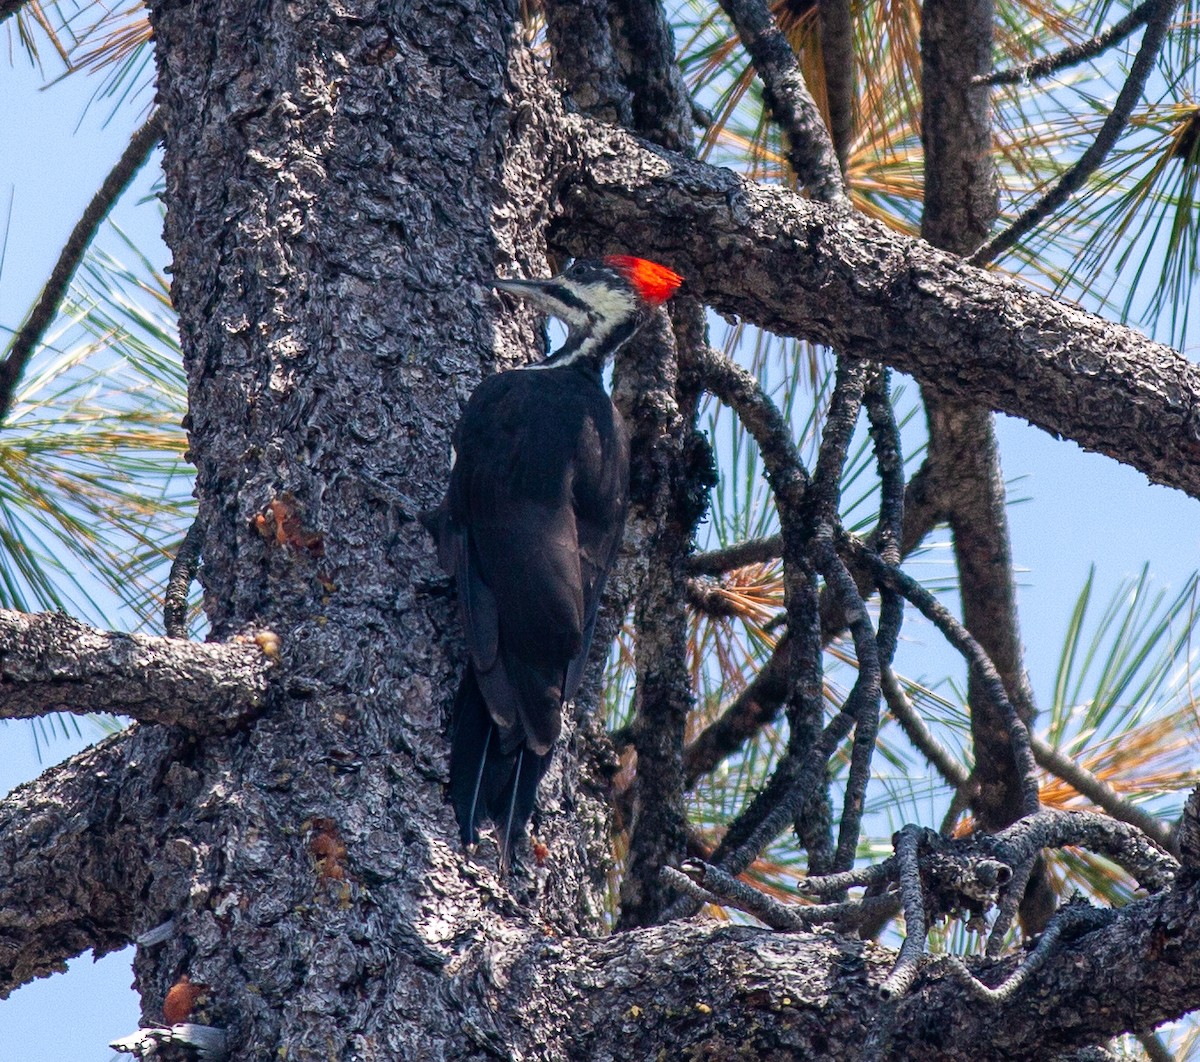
(601, 301)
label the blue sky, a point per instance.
(1083, 508)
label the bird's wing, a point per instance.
(518, 562)
(600, 500)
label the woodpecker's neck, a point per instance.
(591, 348)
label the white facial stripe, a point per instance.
(606, 303)
(606, 309)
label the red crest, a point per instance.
(653, 282)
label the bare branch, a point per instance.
(1153, 867)
(1158, 19)
(946, 764)
(50, 662)
(21, 348)
(1100, 793)
(905, 971)
(810, 149)
(871, 653)
(800, 269)
(1072, 55)
(722, 888)
(1071, 920)
(739, 555)
(748, 978)
(961, 639)
(838, 60)
(183, 571)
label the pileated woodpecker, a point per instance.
(529, 528)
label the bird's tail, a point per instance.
(493, 776)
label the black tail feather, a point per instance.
(486, 782)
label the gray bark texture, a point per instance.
(342, 181)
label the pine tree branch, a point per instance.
(838, 60)
(810, 148)
(80, 854)
(1072, 55)
(801, 269)
(1158, 19)
(25, 342)
(989, 680)
(1100, 793)
(50, 662)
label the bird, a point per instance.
(529, 528)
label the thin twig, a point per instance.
(1072, 55)
(1158, 18)
(963, 797)
(183, 571)
(735, 893)
(21, 349)
(889, 463)
(738, 389)
(1071, 921)
(912, 899)
(959, 637)
(866, 725)
(949, 766)
(791, 786)
(885, 436)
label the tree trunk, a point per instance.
(341, 187)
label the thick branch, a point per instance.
(800, 269)
(810, 148)
(50, 662)
(80, 854)
(750, 992)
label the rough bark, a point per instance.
(53, 663)
(801, 269)
(960, 206)
(332, 249)
(95, 851)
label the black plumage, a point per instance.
(530, 525)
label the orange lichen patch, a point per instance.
(540, 853)
(181, 999)
(655, 283)
(328, 850)
(280, 523)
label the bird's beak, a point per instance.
(537, 292)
